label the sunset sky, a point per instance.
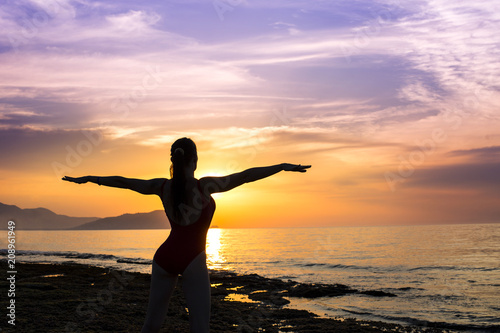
(396, 104)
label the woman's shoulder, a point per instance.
(209, 185)
(160, 185)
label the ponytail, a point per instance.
(178, 180)
(182, 152)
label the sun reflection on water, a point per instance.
(215, 257)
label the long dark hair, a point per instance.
(182, 152)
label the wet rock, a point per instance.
(377, 293)
(319, 290)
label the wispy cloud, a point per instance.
(362, 83)
(455, 43)
(119, 43)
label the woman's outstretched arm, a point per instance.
(152, 186)
(226, 183)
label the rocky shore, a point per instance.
(79, 298)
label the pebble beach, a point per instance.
(81, 298)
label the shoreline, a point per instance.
(81, 298)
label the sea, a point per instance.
(443, 275)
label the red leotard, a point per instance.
(185, 242)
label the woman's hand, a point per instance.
(78, 180)
(295, 167)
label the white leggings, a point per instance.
(196, 286)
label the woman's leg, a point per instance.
(162, 287)
(196, 285)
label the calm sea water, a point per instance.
(448, 274)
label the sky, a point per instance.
(395, 104)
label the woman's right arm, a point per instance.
(226, 183)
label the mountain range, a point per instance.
(44, 219)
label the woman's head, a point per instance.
(182, 154)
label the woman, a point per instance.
(189, 207)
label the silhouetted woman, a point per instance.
(189, 207)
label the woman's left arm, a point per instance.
(151, 186)
(226, 183)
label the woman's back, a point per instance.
(188, 234)
(192, 205)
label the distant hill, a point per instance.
(153, 220)
(39, 218)
(44, 219)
